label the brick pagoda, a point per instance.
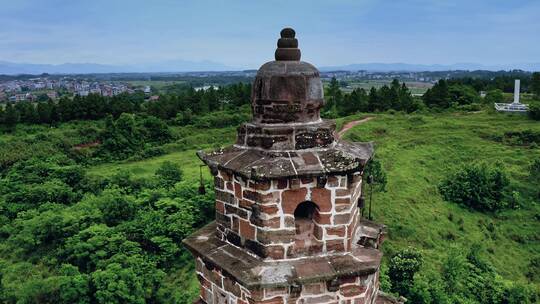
(288, 226)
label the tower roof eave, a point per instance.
(254, 272)
(342, 158)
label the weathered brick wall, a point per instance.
(217, 287)
(259, 216)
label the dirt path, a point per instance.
(351, 124)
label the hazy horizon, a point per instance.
(236, 34)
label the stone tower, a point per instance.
(287, 226)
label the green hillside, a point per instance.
(67, 239)
(417, 152)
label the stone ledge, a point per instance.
(342, 158)
(279, 137)
(254, 273)
(384, 298)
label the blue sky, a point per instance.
(243, 33)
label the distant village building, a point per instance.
(288, 223)
(515, 106)
(52, 95)
(95, 91)
(206, 87)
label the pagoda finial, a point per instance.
(287, 46)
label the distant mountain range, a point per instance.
(395, 67)
(10, 68)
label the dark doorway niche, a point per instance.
(303, 218)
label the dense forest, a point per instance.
(68, 235)
(182, 102)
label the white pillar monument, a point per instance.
(516, 91)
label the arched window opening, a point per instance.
(303, 218)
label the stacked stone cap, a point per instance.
(287, 137)
(287, 46)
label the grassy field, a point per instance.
(417, 152)
(182, 152)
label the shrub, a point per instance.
(534, 169)
(494, 96)
(525, 137)
(403, 266)
(534, 110)
(374, 168)
(416, 120)
(169, 174)
(478, 186)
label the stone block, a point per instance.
(340, 219)
(291, 198)
(225, 197)
(274, 300)
(335, 245)
(315, 288)
(269, 198)
(322, 218)
(220, 207)
(263, 185)
(220, 297)
(318, 232)
(218, 183)
(204, 282)
(235, 224)
(226, 176)
(247, 230)
(336, 231)
(274, 222)
(251, 195)
(343, 192)
(342, 208)
(223, 220)
(206, 295)
(230, 285)
(289, 221)
(275, 236)
(234, 238)
(281, 183)
(322, 198)
(332, 182)
(307, 180)
(237, 190)
(269, 209)
(255, 247)
(217, 278)
(275, 292)
(351, 290)
(294, 183)
(275, 251)
(343, 201)
(348, 280)
(237, 211)
(318, 300)
(245, 204)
